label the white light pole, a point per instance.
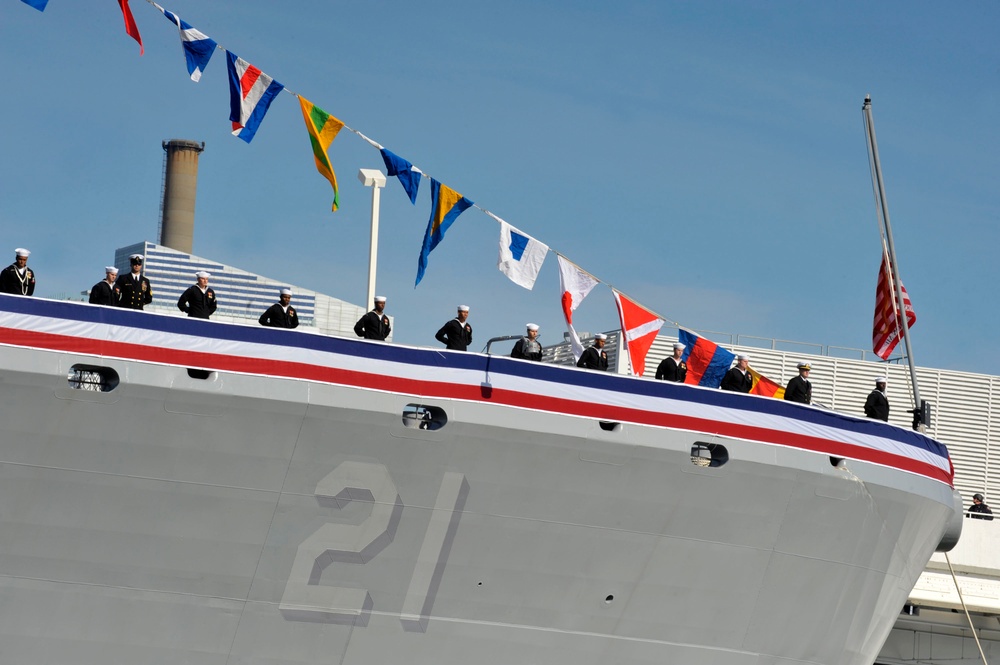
(375, 179)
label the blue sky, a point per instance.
(708, 159)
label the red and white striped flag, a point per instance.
(639, 326)
(886, 327)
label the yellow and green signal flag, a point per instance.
(322, 128)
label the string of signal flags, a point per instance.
(520, 255)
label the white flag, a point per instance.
(575, 284)
(521, 256)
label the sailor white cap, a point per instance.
(532, 326)
(463, 308)
(678, 345)
(21, 251)
(111, 269)
(600, 336)
(880, 379)
(202, 273)
(136, 257)
(742, 356)
(379, 298)
(804, 366)
(284, 292)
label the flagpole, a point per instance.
(893, 265)
(375, 179)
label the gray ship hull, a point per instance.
(253, 518)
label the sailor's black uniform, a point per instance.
(737, 381)
(670, 370)
(527, 348)
(103, 294)
(455, 335)
(799, 390)
(594, 358)
(277, 317)
(133, 293)
(17, 283)
(373, 326)
(196, 304)
(877, 405)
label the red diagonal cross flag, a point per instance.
(639, 326)
(886, 327)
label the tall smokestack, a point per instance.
(180, 183)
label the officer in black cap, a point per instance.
(979, 510)
(799, 389)
(133, 290)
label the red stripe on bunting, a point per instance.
(447, 390)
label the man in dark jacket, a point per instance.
(673, 368)
(456, 334)
(103, 293)
(281, 314)
(17, 278)
(595, 357)
(979, 510)
(877, 404)
(133, 290)
(198, 301)
(374, 324)
(799, 389)
(528, 347)
(738, 379)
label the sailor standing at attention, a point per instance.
(673, 368)
(457, 333)
(281, 314)
(103, 293)
(877, 404)
(595, 357)
(133, 290)
(374, 324)
(528, 347)
(17, 278)
(198, 301)
(799, 389)
(738, 379)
